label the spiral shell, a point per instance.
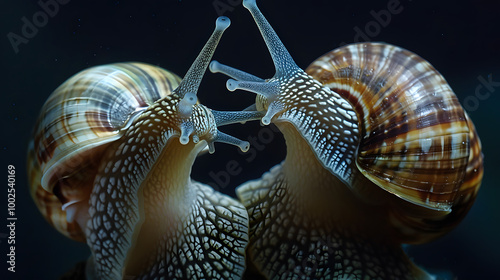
(78, 121)
(414, 132)
(416, 141)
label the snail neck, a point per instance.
(319, 194)
(300, 202)
(170, 175)
(167, 189)
(167, 197)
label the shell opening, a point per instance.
(70, 209)
(133, 117)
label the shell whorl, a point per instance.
(416, 141)
(95, 107)
(90, 110)
(414, 138)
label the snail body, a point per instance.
(110, 164)
(379, 153)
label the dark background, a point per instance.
(460, 40)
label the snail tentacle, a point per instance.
(289, 96)
(191, 81)
(228, 139)
(190, 84)
(188, 88)
(283, 61)
(187, 128)
(226, 117)
(269, 90)
(217, 67)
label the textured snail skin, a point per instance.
(379, 153)
(110, 163)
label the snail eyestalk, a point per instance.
(283, 61)
(192, 79)
(228, 139)
(269, 90)
(187, 91)
(189, 86)
(217, 67)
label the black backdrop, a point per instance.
(460, 40)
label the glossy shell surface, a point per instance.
(80, 118)
(416, 141)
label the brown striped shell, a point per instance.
(414, 134)
(416, 141)
(78, 121)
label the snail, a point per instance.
(379, 153)
(110, 164)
